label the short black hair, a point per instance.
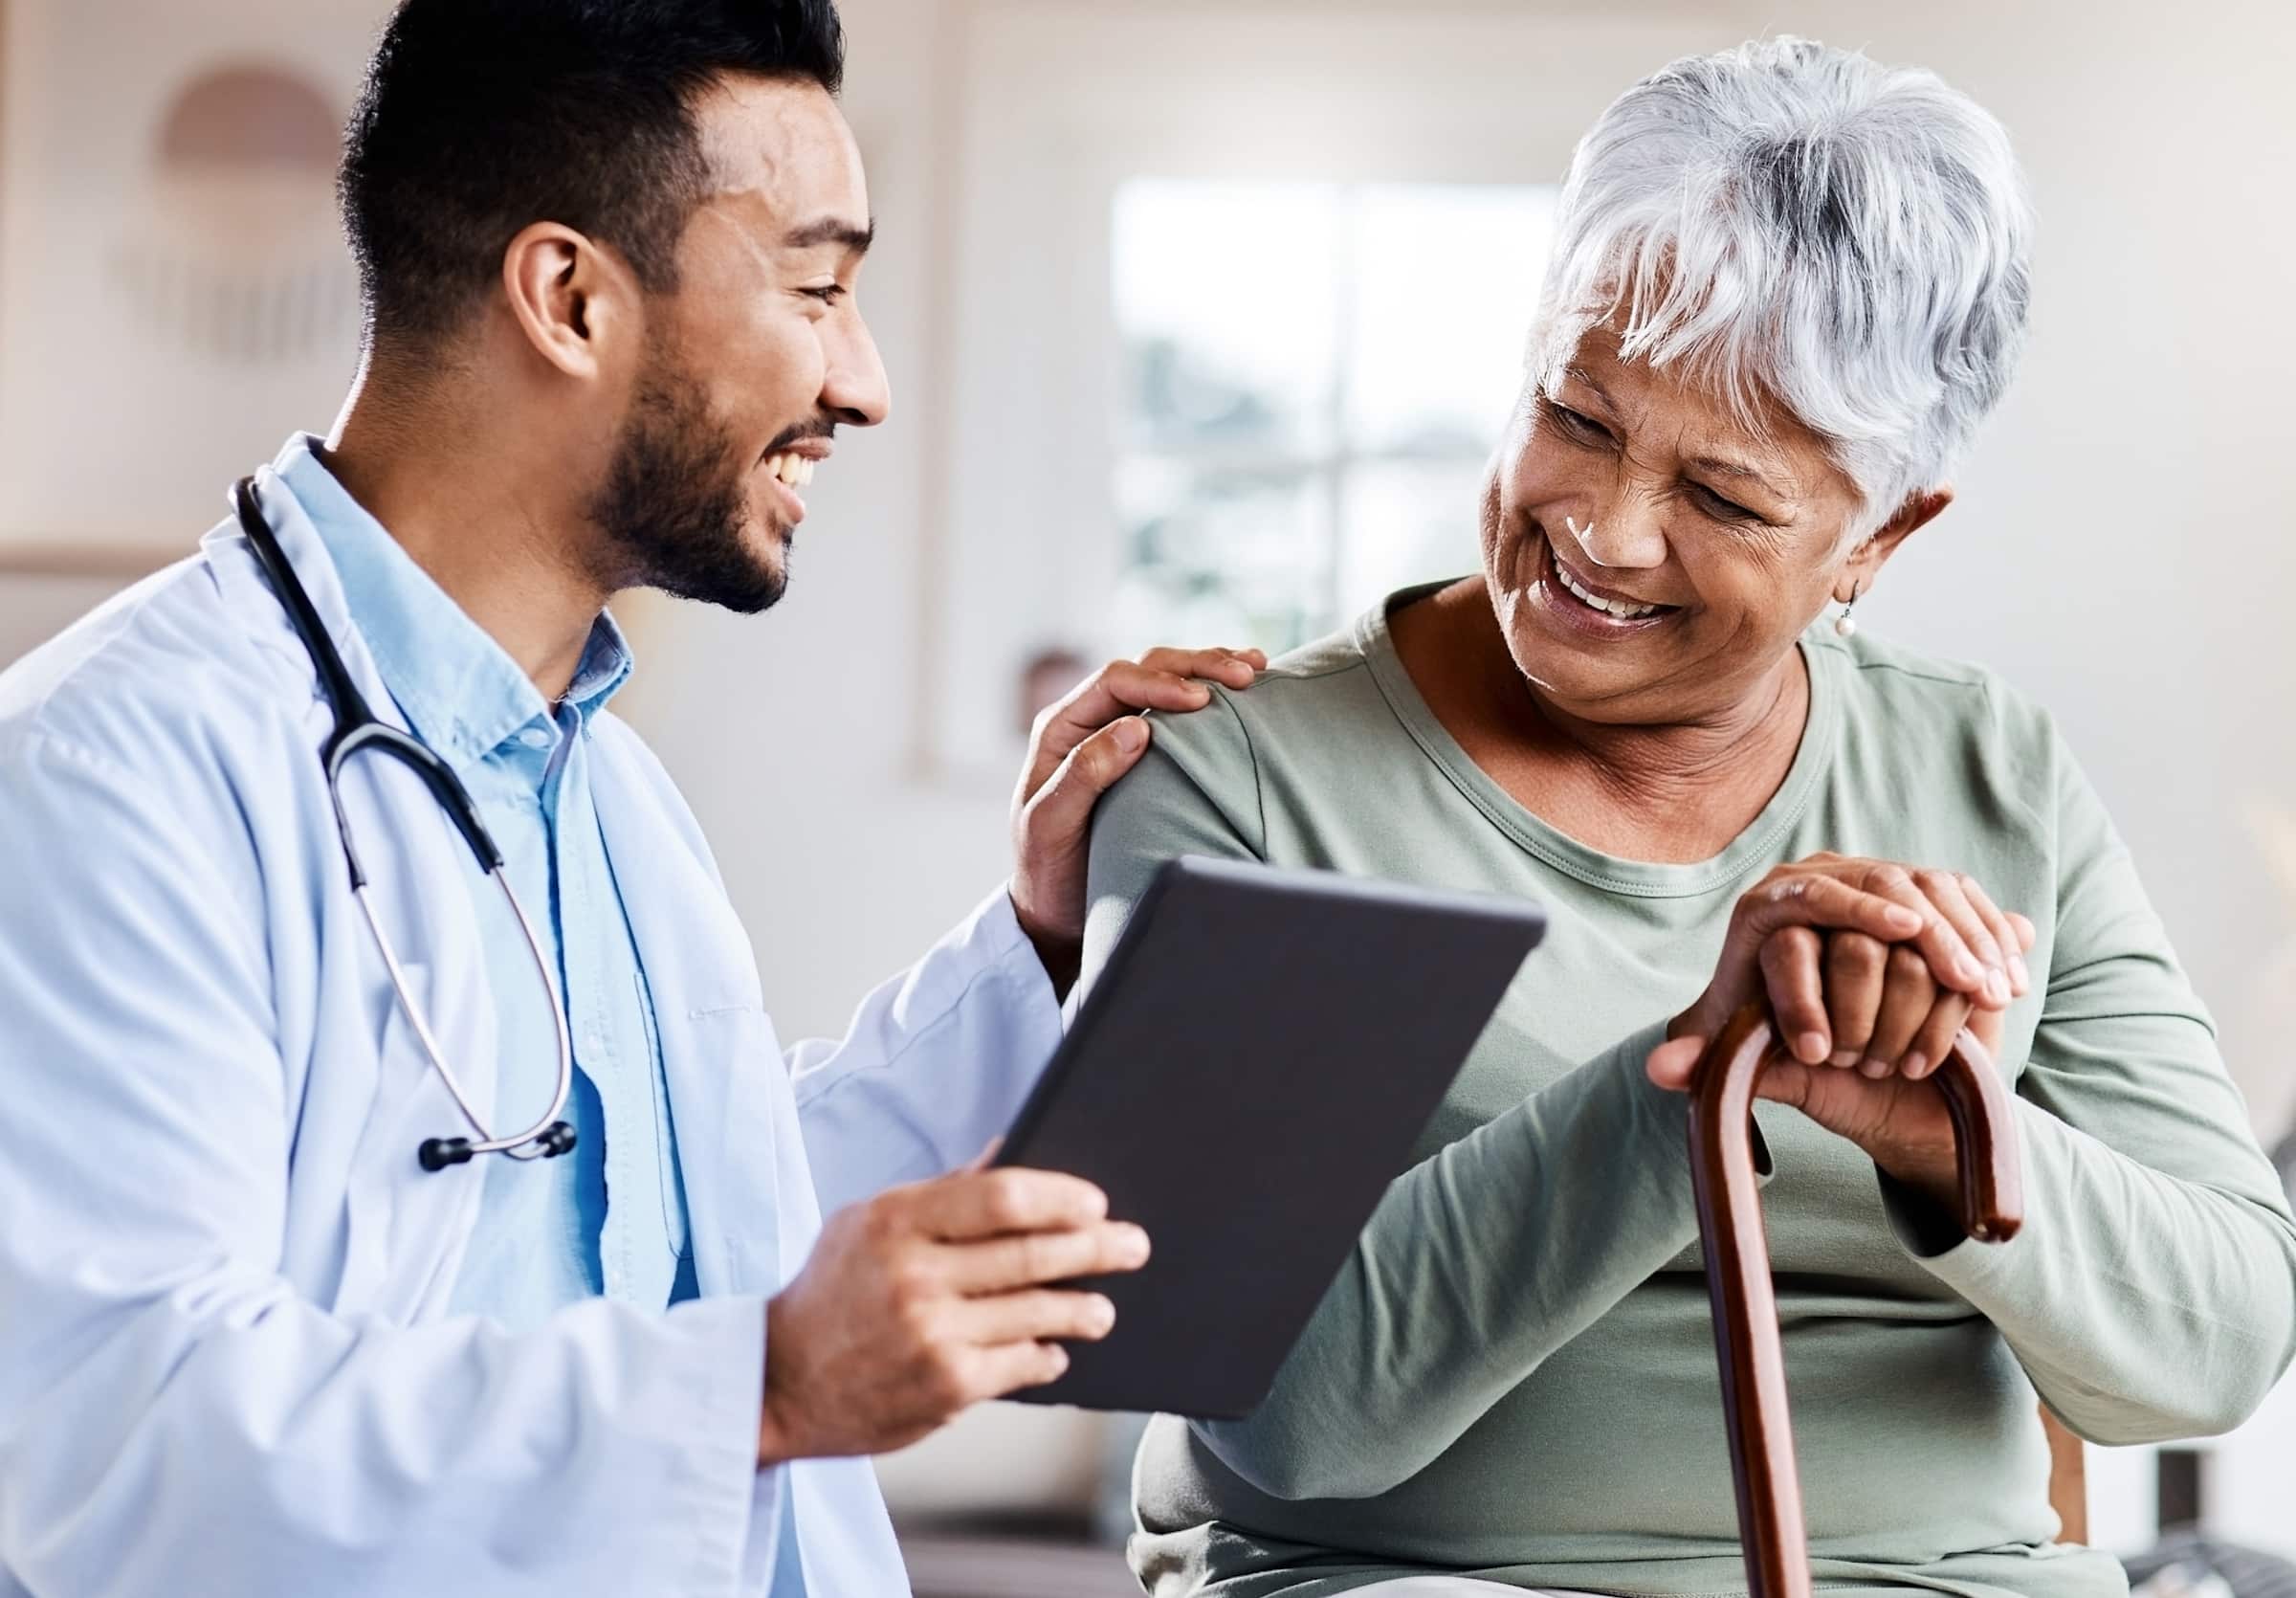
(481, 117)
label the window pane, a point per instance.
(1445, 281)
(1315, 375)
(1227, 309)
(1404, 523)
(1212, 554)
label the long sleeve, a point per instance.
(934, 1064)
(174, 1415)
(2152, 1292)
(1481, 1261)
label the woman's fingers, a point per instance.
(1943, 889)
(1798, 993)
(1909, 993)
(2006, 936)
(1786, 898)
(1951, 960)
(1936, 1039)
(1854, 964)
(1813, 900)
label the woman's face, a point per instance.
(1708, 547)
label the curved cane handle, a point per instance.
(1736, 1247)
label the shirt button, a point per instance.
(535, 738)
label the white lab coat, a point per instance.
(226, 1360)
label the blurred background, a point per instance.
(1202, 320)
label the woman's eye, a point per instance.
(1719, 508)
(1584, 426)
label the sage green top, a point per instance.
(1514, 1376)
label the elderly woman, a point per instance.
(1788, 285)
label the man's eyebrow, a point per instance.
(831, 230)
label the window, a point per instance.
(1314, 377)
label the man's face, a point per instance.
(757, 357)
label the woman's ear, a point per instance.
(571, 299)
(1920, 509)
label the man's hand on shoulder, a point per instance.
(1078, 749)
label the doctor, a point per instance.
(249, 1342)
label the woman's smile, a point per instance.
(1571, 599)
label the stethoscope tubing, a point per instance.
(356, 730)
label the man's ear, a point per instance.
(574, 301)
(1920, 509)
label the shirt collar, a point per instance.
(459, 690)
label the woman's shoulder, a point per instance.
(1308, 704)
(1910, 720)
(1879, 673)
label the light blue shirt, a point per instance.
(230, 1351)
(610, 1218)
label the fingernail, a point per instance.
(1136, 1245)
(1915, 1065)
(1844, 1056)
(1967, 969)
(1810, 1047)
(2024, 975)
(1131, 733)
(1996, 988)
(1873, 1070)
(1102, 1315)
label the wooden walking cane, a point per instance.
(1737, 1267)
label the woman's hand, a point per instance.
(1870, 1018)
(1942, 919)
(1884, 1107)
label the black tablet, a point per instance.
(1245, 1080)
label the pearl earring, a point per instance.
(1845, 625)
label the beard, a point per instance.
(675, 507)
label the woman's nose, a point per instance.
(1622, 534)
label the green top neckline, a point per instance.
(1753, 847)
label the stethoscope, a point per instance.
(357, 728)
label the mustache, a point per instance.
(819, 427)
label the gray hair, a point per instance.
(1790, 219)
